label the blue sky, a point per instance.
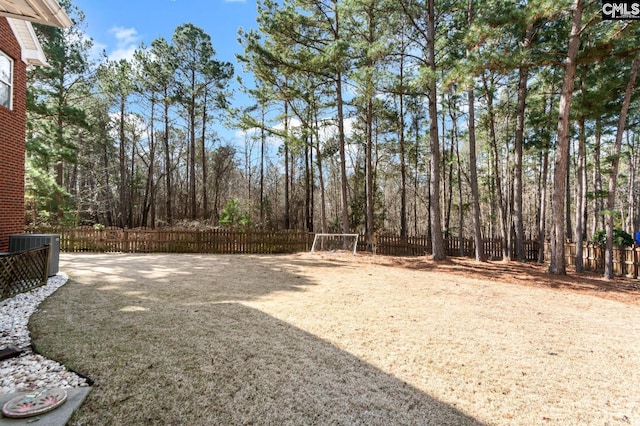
(119, 26)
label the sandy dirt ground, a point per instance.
(457, 342)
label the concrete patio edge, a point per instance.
(58, 417)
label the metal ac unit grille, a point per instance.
(22, 242)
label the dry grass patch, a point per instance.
(304, 339)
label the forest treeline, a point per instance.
(475, 119)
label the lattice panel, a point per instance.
(23, 271)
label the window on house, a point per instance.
(6, 80)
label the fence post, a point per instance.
(374, 248)
(125, 241)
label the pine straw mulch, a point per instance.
(622, 289)
(338, 339)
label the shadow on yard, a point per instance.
(531, 274)
(168, 340)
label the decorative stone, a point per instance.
(29, 371)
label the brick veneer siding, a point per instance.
(12, 143)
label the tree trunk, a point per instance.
(416, 180)
(341, 135)
(130, 198)
(543, 187)
(454, 152)
(308, 184)
(633, 190)
(460, 204)
(205, 157)
(542, 203)
(473, 161)
(518, 221)
(343, 156)
(262, 148)
(403, 166)
(437, 241)
(449, 160)
(106, 188)
(122, 211)
(323, 204)
(613, 175)
(369, 190)
(598, 219)
(167, 159)
(473, 172)
(581, 196)
(631, 186)
(287, 194)
(568, 227)
(369, 170)
(557, 261)
(496, 170)
(192, 160)
(148, 198)
(59, 199)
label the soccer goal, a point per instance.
(335, 242)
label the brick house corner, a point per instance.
(12, 138)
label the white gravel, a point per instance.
(29, 370)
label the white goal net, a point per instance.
(335, 242)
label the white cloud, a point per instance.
(124, 53)
(125, 35)
(294, 124)
(328, 129)
(241, 134)
(126, 43)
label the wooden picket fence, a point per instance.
(171, 240)
(394, 245)
(225, 241)
(626, 260)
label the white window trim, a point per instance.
(11, 77)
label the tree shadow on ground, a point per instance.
(532, 274)
(165, 350)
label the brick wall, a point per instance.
(12, 143)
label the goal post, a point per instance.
(335, 242)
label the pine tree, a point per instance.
(55, 105)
